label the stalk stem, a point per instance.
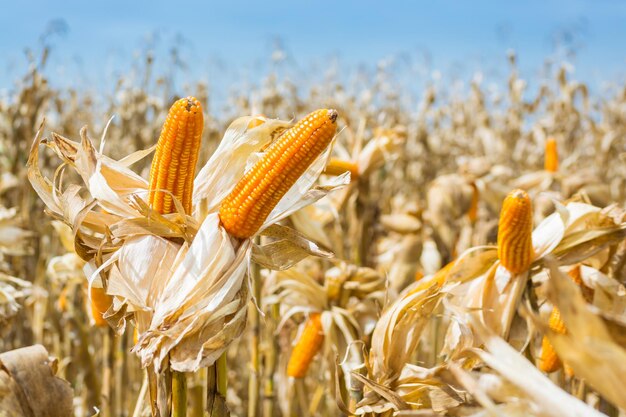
(255, 371)
(179, 394)
(217, 380)
(270, 363)
(141, 396)
(153, 383)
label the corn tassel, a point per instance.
(338, 166)
(551, 162)
(308, 345)
(515, 246)
(549, 361)
(174, 163)
(100, 303)
(245, 209)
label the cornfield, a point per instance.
(460, 255)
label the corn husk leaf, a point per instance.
(288, 248)
(587, 347)
(548, 400)
(29, 387)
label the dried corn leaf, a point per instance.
(28, 387)
(547, 399)
(587, 347)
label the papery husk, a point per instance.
(103, 177)
(449, 198)
(587, 347)
(182, 279)
(229, 161)
(29, 386)
(382, 148)
(400, 261)
(287, 248)
(311, 221)
(346, 302)
(398, 331)
(574, 233)
(190, 304)
(547, 399)
(14, 239)
(13, 291)
(417, 388)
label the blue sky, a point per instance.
(103, 36)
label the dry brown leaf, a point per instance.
(28, 387)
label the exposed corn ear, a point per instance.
(308, 345)
(174, 163)
(515, 228)
(339, 166)
(472, 213)
(551, 162)
(100, 303)
(245, 209)
(549, 361)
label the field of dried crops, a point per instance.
(461, 255)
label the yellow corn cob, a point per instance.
(551, 162)
(515, 228)
(472, 213)
(549, 361)
(174, 163)
(339, 166)
(245, 209)
(100, 303)
(307, 347)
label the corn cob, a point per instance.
(174, 163)
(308, 345)
(549, 361)
(100, 303)
(551, 162)
(515, 246)
(245, 209)
(472, 213)
(339, 166)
